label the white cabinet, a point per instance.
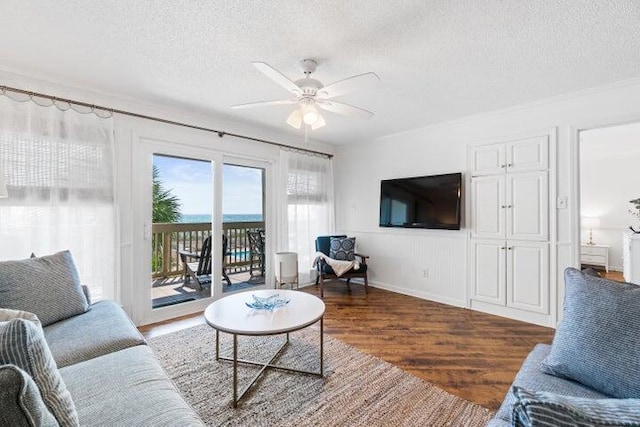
(509, 221)
(528, 276)
(511, 273)
(631, 262)
(595, 255)
(510, 206)
(520, 155)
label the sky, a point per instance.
(192, 182)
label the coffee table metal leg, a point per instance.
(321, 346)
(235, 370)
(217, 344)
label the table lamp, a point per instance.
(589, 223)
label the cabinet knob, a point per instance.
(509, 206)
(509, 248)
(503, 248)
(509, 165)
(503, 206)
(503, 166)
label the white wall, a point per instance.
(609, 177)
(399, 256)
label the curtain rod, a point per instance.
(161, 120)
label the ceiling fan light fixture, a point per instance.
(319, 123)
(295, 119)
(309, 114)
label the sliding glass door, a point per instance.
(244, 226)
(179, 257)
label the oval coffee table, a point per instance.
(231, 315)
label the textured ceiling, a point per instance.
(438, 60)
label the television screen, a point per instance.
(421, 202)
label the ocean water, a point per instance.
(191, 218)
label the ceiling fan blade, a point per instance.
(277, 77)
(348, 85)
(264, 104)
(344, 109)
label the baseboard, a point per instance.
(414, 293)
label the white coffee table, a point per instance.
(231, 315)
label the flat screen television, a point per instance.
(421, 202)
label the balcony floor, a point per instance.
(171, 290)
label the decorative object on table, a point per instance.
(635, 212)
(589, 223)
(286, 269)
(268, 303)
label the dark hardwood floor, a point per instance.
(470, 354)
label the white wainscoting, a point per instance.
(399, 258)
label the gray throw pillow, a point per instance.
(22, 344)
(48, 287)
(597, 342)
(549, 409)
(22, 405)
(343, 248)
(7, 314)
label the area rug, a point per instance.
(357, 389)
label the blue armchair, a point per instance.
(325, 272)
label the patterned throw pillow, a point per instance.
(343, 249)
(597, 342)
(48, 287)
(549, 409)
(22, 344)
(7, 314)
(22, 404)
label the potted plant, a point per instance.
(635, 212)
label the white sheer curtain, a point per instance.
(309, 205)
(59, 169)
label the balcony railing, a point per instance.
(170, 238)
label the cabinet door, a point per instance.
(528, 206)
(488, 159)
(528, 154)
(488, 268)
(528, 276)
(488, 207)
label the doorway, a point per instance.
(608, 159)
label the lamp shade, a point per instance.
(3, 186)
(286, 267)
(591, 222)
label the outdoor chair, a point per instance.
(256, 250)
(200, 270)
(325, 272)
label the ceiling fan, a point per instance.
(310, 94)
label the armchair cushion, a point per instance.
(323, 243)
(342, 248)
(326, 269)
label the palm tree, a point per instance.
(166, 206)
